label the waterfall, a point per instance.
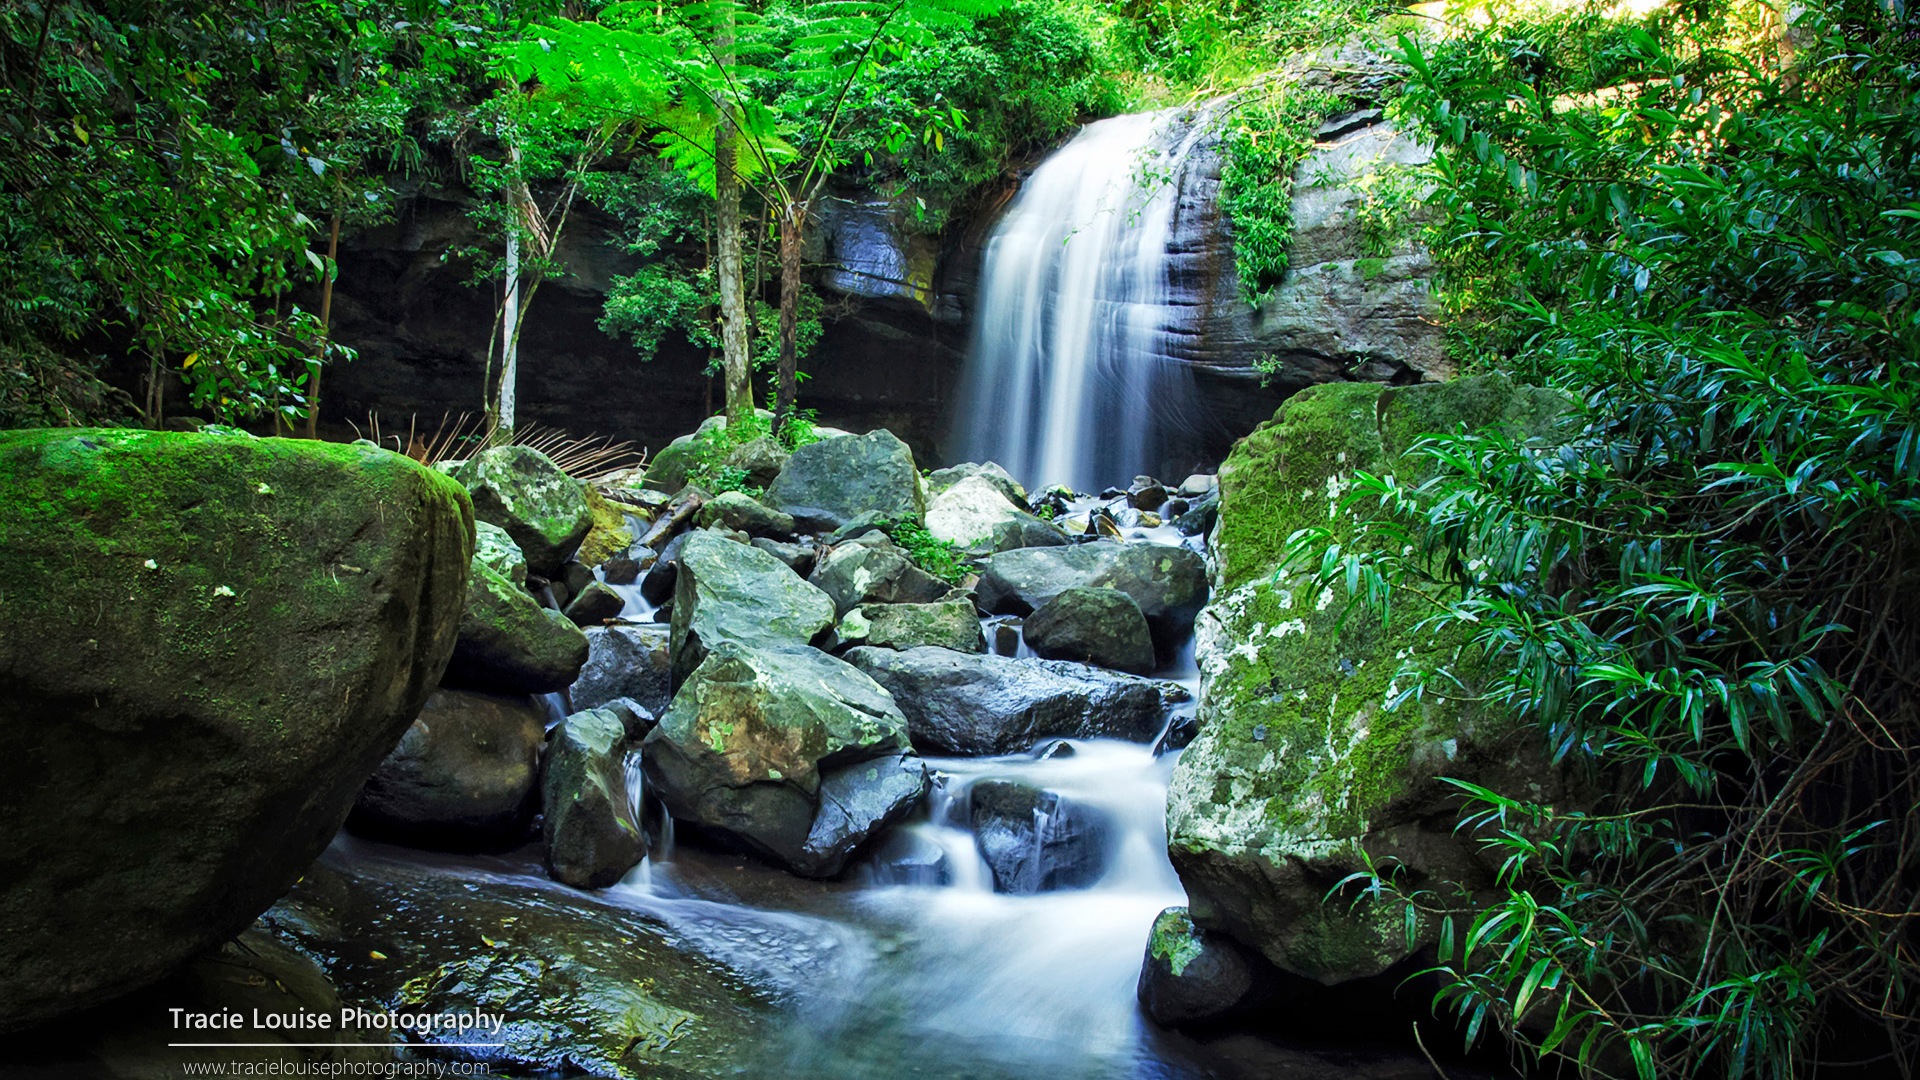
(1069, 377)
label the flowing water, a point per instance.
(1069, 377)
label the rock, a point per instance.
(1006, 637)
(1034, 840)
(866, 525)
(798, 557)
(738, 510)
(463, 777)
(1146, 493)
(762, 459)
(622, 569)
(975, 514)
(636, 719)
(592, 837)
(968, 703)
(827, 483)
(950, 624)
(626, 661)
(542, 508)
(784, 751)
(990, 472)
(1169, 583)
(1300, 766)
(185, 720)
(579, 987)
(577, 576)
(667, 472)
(1094, 626)
(493, 547)
(1199, 484)
(728, 592)
(855, 573)
(1190, 975)
(595, 605)
(612, 531)
(1199, 518)
(657, 587)
(510, 644)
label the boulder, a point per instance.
(637, 719)
(542, 508)
(1169, 583)
(462, 778)
(510, 644)
(1002, 481)
(761, 459)
(826, 484)
(595, 604)
(970, 703)
(493, 547)
(786, 752)
(626, 660)
(975, 514)
(612, 531)
(728, 592)
(1095, 626)
(209, 643)
(1035, 840)
(876, 572)
(591, 834)
(1191, 976)
(950, 624)
(798, 557)
(738, 510)
(1305, 765)
(657, 586)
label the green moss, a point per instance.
(1174, 940)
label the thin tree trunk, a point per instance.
(793, 223)
(509, 339)
(733, 301)
(314, 367)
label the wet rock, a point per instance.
(185, 723)
(1146, 493)
(828, 483)
(968, 703)
(1180, 731)
(542, 508)
(510, 644)
(626, 660)
(990, 472)
(622, 569)
(462, 778)
(857, 573)
(950, 624)
(762, 459)
(636, 718)
(1094, 626)
(1262, 819)
(493, 547)
(742, 512)
(1190, 975)
(577, 576)
(1034, 840)
(974, 513)
(798, 557)
(595, 605)
(591, 835)
(1199, 484)
(1168, 583)
(728, 592)
(907, 858)
(657, 587)
(786, 752)
(1199, 518)
(1006, 638)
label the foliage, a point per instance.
(1701, 598)
(1208, 45)
(943, 559)
(1269, 131)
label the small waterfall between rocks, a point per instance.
(1070, 377)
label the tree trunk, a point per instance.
(326, 331)
(793, 223)
(733, 300)
(509, 339)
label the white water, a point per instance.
(1068, 379)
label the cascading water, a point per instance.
(1070, 377)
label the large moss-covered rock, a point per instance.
(208, 644)
(462, 777)
(829, 483)
(509, 644)
(729, 592)
(975, 513)
(591, 834)
(543, 509)
(1095, 626)
(967, 703)
(494, 548)
(1169, 583)
(787, 752)
(1300, 765)
(612, 530)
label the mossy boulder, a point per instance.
(730, 592)
(829, 483)
(519, 489)
(740, 511)
(786, 752)
(509, 644)
(463, 777)
(871, 570)
(1168, 583)
(612, 530)
(592, 836)
(209, 643)
(1094, 626)
(949, 624)
(494, 548)
(1301, 765)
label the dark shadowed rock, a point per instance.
(1169, 583)
(1034, 840)
(1191, 976)
(595, 604)
(591, 835)
(510, 644)
(626, 660)
(1094, 626)
(463, 777)
(798, 557)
